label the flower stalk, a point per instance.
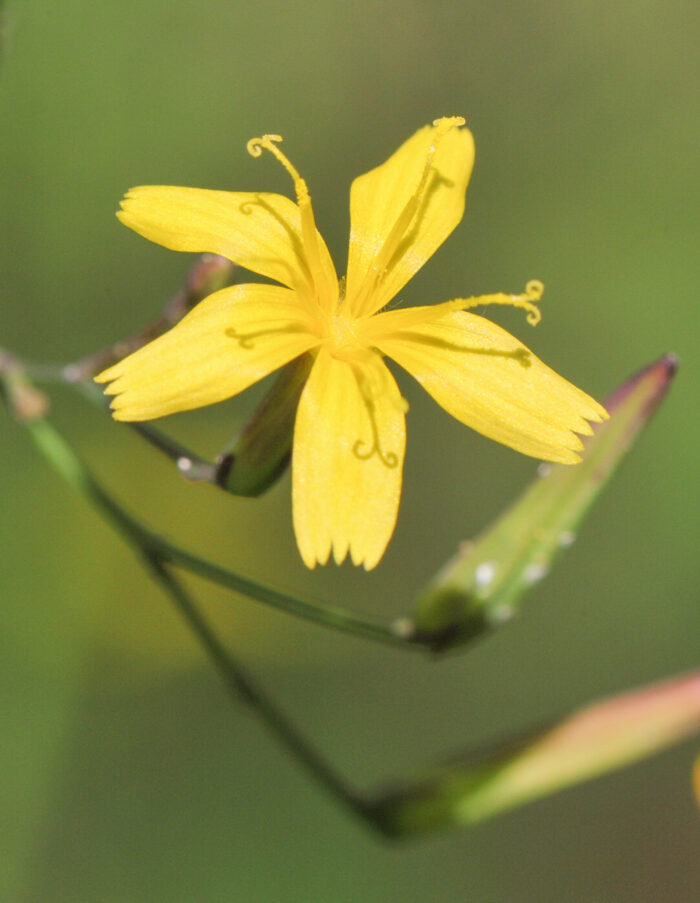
(598, 739)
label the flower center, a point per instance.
(342, 339)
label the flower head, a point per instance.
(349, 436)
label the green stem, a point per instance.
(208, 274)
(191, 465)
(157, 551)
(597, 739)
(255, 459)
(64, 459)
(241, 687)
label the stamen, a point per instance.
(527, 301)
(389, 459)
(448, 122)
(308, 224)
(400, 228)
(269, 142)
(245, 339)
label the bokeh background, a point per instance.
(125, 772)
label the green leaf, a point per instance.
(597, 739)
(484, 584)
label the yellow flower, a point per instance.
(349, 436)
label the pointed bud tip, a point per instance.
(658, 375)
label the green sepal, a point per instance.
(260, 453)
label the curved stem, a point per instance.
(156, 552)
(64, 459)
(249, 465)
(190, 464)
(241, 687)
(207, 274)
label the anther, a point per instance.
(527, 301)
(445, 123)
(246, 339)
(364, 450)
(255, 148)
(405, 219)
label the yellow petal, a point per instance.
(261, 232)
(379, 197)
(349, 442)
(230, 340)
(490, 381)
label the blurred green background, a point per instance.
(125, 773)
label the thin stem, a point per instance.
(208, 273)
(156, 552)
(241, 687)
(62, 456)
(259, 455)
(391, 632)
(190, 464)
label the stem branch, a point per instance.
(156, 553)
(61, 455)
(242, 688)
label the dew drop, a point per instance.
(535, 572)
(544, 469)
(403, 627)
(501, 613)
(484, 574)
(71, 373)
(566, 539)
